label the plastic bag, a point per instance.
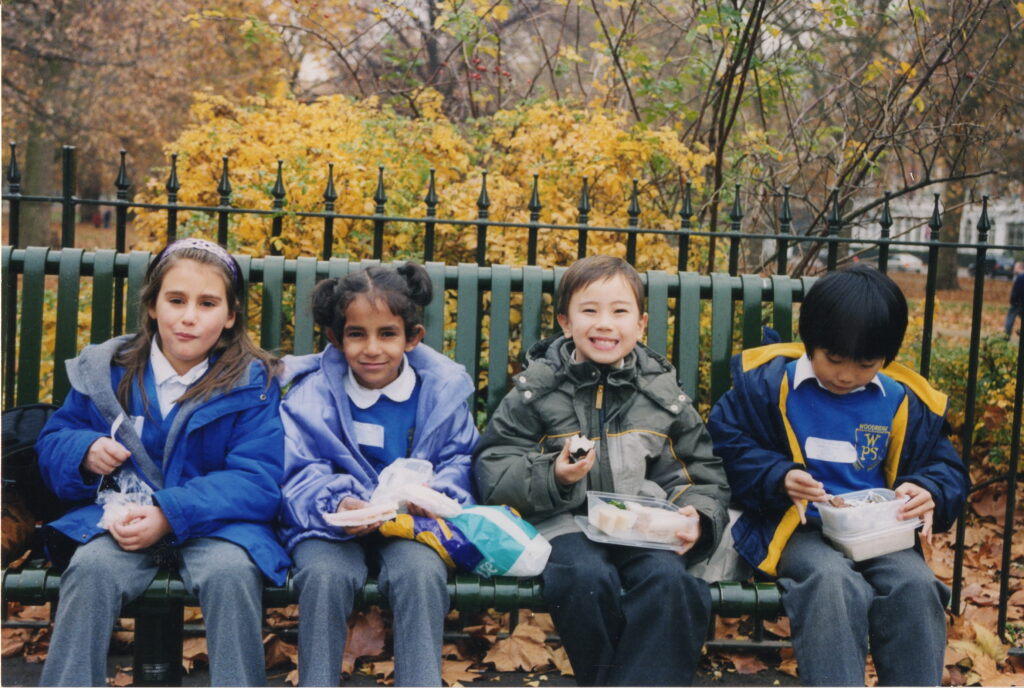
(486, 540)
(118, 492)
(510, 545)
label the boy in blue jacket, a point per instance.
(806, 421)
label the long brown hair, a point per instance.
(234, 349)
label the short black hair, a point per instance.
(857, 313)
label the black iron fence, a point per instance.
(830, 239)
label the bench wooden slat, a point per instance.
(66, 346)
(273, 297)
(657, 309)
(138, 264)
(102, 296)
(498, 341)
(533, 306)
(721, 334)
(433, 314)
(467, 320)
(782, 306)
(687, 344)
(9, 299)
(31, 342)
(305, 280)
(752, 285)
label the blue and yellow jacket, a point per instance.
(758, 446)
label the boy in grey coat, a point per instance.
(626, 615)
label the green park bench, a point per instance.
(472, 317)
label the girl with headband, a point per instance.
(178, 425)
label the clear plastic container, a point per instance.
(863, 518)
(634, 520)
(875, 543)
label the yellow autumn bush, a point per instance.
(558, 142)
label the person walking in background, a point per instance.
(1016, 297)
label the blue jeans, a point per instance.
(839, 608)
(102, 577)
(627, 616)
(328, 574)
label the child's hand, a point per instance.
(688, 538)
(800, 487)
(417, 510)
(349, 503)
(921, 505)
(141, 527)
(105, 455)
(569, 473)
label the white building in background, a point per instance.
(910, 215)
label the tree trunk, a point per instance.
(37, 180)
(945, 276)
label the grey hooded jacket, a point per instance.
(650, 441)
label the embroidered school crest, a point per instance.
(872, 442)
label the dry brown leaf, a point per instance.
(283, 617)
(985, 667)
(453, 673)
(384, 668)
(990, 502)
(779, 627)
(123, 677)
(127, 623)
(193, 614)
(989, 643)
(980, 595)
(451, 651)
(366, 633)
(540, 620)
(524, 649)
(788, 665)
(986, 617)
(14, 640)
(728, 629)
(744, 663)
(293, 677)
(38, 612)
(560, 659)
(193, 650)
(277, 652)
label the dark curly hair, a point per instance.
(405, 289)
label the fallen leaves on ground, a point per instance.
(523, 650)
(123, 677)
(366, 637)
(455, 672)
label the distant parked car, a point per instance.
(995, 266)
(905, 262)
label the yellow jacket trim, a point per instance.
(791, 519)
(896, 438)
(758, 356)
(932, 398)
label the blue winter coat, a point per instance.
(754, 439)
(323, 463)
(221, 468)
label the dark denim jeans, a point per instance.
(627, 616)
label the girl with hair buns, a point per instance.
(183, 416)
(376, 394)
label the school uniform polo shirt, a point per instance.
(844, 437)
(384, 419)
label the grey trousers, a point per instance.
(102, 577)
(839, 608)
(328, 574)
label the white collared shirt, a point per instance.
(399, 389)
(169, 385)
(805, 371)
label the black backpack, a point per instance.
(20, 467)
